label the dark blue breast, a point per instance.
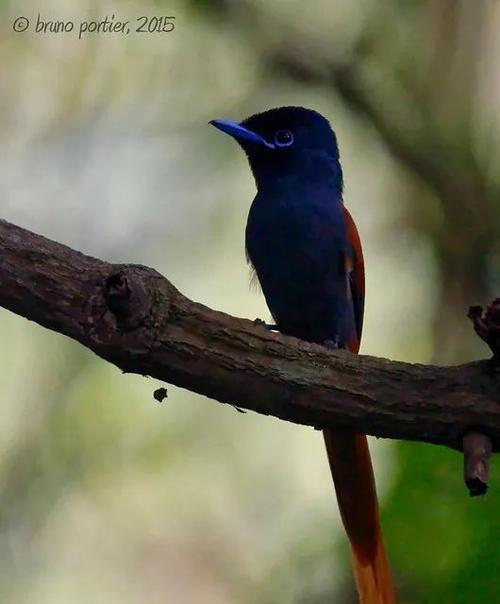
(296, 240)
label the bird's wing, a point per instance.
(356, 275)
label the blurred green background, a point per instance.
(107, 496)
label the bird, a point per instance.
(303, 245)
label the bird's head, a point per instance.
(287, 142)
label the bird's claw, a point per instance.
(332, 344)
(268, 326)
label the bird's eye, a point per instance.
(283, 138)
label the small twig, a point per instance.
(487, 326)
(477, 455)
(477, 447)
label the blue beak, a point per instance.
(240, 133)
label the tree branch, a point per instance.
(134, 318)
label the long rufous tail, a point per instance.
(352, 473)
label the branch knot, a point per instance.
(127, 298)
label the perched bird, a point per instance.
(305, 249)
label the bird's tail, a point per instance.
(352, 474)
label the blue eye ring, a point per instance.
(283, 138)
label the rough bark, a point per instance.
(136, 319)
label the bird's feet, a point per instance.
(268, 326)
(332, 344)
